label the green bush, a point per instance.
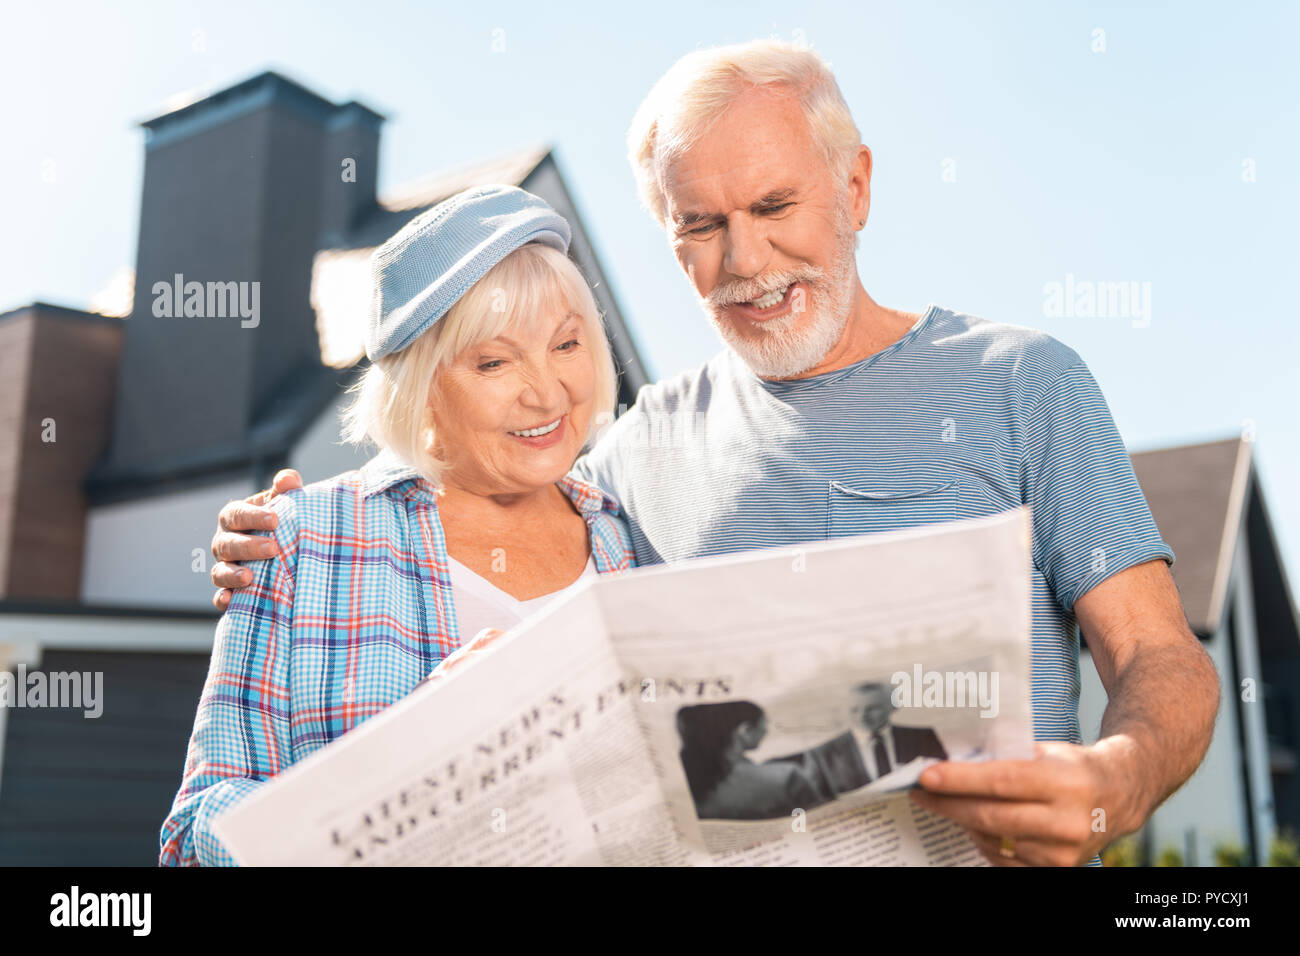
(1230, 854)
(1170, 856)
(1285, 850)
(1126, 851)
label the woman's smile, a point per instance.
(541, 436)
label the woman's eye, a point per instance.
(489, 366)
(566, 345)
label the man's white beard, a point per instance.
(780, 348)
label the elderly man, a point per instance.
(829, 414)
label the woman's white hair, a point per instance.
(700, 87)
(392, 404)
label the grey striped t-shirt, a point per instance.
(960, 418)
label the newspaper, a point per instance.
(769, 707)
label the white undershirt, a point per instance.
(480, 603)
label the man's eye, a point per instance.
(702, 230)
(781, 207)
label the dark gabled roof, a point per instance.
(1196, 494)
(1200, 496)
(1276, 620)
(269, 439)
(265, 88)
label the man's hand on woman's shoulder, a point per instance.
(231, 545)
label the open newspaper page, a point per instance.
(791, 697)
(531, 756)
(769, 707)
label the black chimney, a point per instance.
(232, 214)
(351, 170)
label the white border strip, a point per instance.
(87, 632)
(1229, 535)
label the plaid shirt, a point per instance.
(354, 611)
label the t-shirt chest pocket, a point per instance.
(881, 503)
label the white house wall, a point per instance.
(319, 454)
(154, 552)
(142, 553)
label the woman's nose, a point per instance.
(544, 389)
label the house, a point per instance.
(109, 490)
(1207, 502)
(261, 199)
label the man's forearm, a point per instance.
(1156, 729)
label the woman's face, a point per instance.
(537, 377)
(751, 733)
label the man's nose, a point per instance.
(747, 250)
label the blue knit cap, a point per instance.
(422, 271)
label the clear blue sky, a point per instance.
(1123, 165)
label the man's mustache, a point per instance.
(746, 290)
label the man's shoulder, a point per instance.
(657, 408)
(1017, 349)
(690, 389)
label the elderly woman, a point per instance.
(489, 370)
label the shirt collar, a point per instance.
(589, 499)
(386, 470)
(383, 472)
(865, 734)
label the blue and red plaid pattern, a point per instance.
(349, 617)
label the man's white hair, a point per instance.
(700, 87)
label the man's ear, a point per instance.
(860, 186)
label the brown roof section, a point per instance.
(1196, 494)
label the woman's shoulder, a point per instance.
(336, 501)
(590, 499)
(611, 537)
(372, 481)
(298, 504)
